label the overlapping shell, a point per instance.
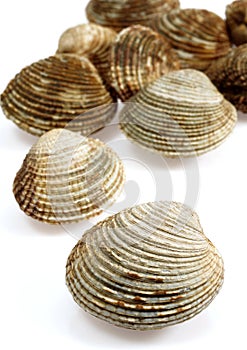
(236, 20)
(92, 41)
(66, 178)
(138, 56)
(199, 36)
(146, 267)
(179, 114)
(229, 74)
(118, 14)
(56, 91)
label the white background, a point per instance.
(36, 309)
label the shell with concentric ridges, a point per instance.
(118, 14)
(139, 56)
(198, 36)
(92, 41)
(179, 114)
(146, 267)
(67, 178)
(56, 92)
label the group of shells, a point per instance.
(182, 75)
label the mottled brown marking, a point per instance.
(133, 275)
(160, 292)
(137, 298)
(159, 280)
(139, 307)
(175, 298)
(121, 303)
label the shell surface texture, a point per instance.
(118, 14)
(229, 74)
(145, 268)
(56, 91)
(199, 36)
(138, 56)
(90, 40)
(66, 178)
(179, 114)
(236, 20)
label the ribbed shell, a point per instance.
(146, 267)
(180, 114)
(199, 36)
(53, 92)
(138, 56)
(229, 74)
(66, 178)
(92, 41)
(119, 14)
(236, 20)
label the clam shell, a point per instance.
(119, 14)
(199, 36)
(92, 41)
(236, 20)
(138, 56)
(146, 267)
(229, 74)
(53, 92)
(66, 178)
(179, 114)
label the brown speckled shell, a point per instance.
(145, 268)
(55, 91)
(236, 20)
(138, 56)
(66, 178)
(179, 114)
(199, 36)
(229, 74)
(119, 14)
(92, 41)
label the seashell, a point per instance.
(92, 41)
(56, 91)
(199, 36)
(66, 178)
(179, 114)
(236, 20)
(138, 56)
(146, 267)
(119, 14)
(229, 74)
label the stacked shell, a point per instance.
(146, 267)
(229, 74)
(55, 92)
(118, 14)
(199, 36)
(92, 41)
(66, 177)
(179, 114)
(138, 56)
(236, 20)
